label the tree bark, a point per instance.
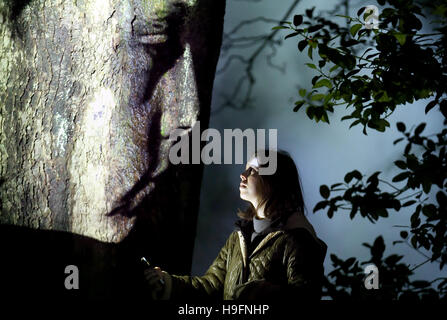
(89, 93)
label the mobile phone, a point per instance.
(148, 265)
(145, 262)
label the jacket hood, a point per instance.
(297, 220)
(300, 221)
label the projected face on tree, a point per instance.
(94, 89)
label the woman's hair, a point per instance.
(281, 192)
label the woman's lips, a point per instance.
(242, 185)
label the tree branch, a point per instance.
(264, 41)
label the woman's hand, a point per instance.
(155, 280)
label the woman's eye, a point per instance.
(251, 171)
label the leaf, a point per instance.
(414, 242)
(419, 129)
(443, 107)
(311, 65)
(355, 28)
(351, 73)
(350, 43)
(302, 92)
(353, 174)
(315, 28)
(279, 27)
(356, 174)
(298, 105)
(290, 35)
(353, 211)
(351, 62)
(441, 198)
(325, 118)
(323, 83)
(381, 124)
(404, 234)
(378, 247)
(429, 210)
(348, 177)
(382, 212)
(412, 162)
(320, 205)
(415, 221)
(343, 16)
(396, 204)
(368, 14)
(393, 259)
(400, 164)
(310, 112)
(324, 191)
(366, 245)
(302, 44)
(334, 68)
(297, 20)
(361, 10)
(400, 126)
(430, 106)
(373, 178)
(372, 55)
(364, 130)
(314, 80)
(309, 52)
(335, 259)
(401, 38)
(349, 262)
(330, 213)
(356, 122)
(409, 203)
(401, 176)
(309, 12)
(431, 145)
(319, 96)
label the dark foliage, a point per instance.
(372, 70)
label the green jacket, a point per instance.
(286, 264)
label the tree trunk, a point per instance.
(89, 93)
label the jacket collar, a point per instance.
(294, 221)
(243, 244)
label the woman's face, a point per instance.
(250, 187)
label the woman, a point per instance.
(274, 252)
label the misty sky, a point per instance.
(323, 153)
